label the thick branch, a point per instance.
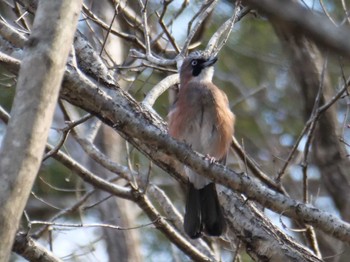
(31, 250)
(263, 246)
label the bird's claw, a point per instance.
(211, 159)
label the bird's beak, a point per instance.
(212, 60)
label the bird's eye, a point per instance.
(194, 62)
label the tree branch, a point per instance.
(31, 250)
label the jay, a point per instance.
(201, 117)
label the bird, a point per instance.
(201, 117)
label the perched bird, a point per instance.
(201, 117)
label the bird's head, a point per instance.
(197, 66)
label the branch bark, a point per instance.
(263, 240)
(37, 90)
(31, 250)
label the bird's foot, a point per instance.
(211, 159)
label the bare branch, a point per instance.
(159, 89)
(214, 46)
(12, 35)
(94, 18)
(205, 10)
(31, 250)
(165, 28)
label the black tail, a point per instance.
(193, 218)
(203, 211)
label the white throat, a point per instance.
(206, 75)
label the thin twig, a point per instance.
(58, 188)
(175, 16)
(149, 56)
(21, 17)
(306, 127)
(235, 256)
(108, 31)
(65, 132)
(98, 39)
(225, 30)
(327, 13)
(146, 33)
(203, 13)
(86, 142)
(98, 21)
(345, 10)
(74, 207)
(4, 116)
(44, 201)
(254, 168)
(310, 233)
(310, 133)
(165, 28)
(346, 115)
(55, 224)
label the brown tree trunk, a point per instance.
(36, 96)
